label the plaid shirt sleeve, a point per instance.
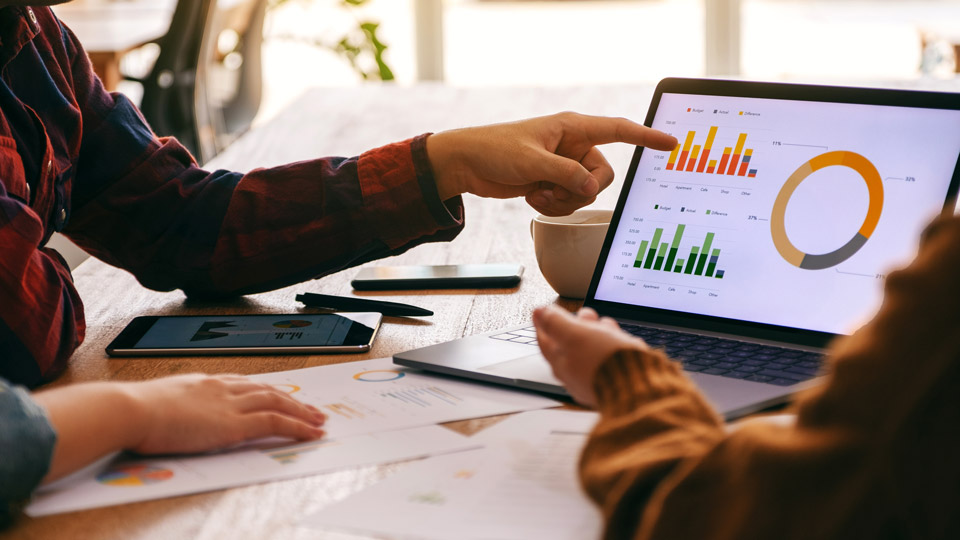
(141, 203)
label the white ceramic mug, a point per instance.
(568, 247)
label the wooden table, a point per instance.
(328, 122)
(109, 29)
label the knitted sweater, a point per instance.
(873, 453)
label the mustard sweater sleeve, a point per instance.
(873, 453)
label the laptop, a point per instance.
(763, 236)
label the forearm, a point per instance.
(91, 420)
(652, 419)
(661, 464)
(223, 233)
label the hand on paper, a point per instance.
(193, 413)
(552, 160)
(575, 346)
(182, 414)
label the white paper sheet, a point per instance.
(375, 395)
(371, 406)
(523, 485)
(124, 480)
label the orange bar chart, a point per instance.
(673, 158)
(690, 157)
(737, 152)
(724, 159)
(706, 147)
(745, 163)
(693, 157)
(686, 150)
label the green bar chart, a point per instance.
(662, 256)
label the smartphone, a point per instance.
(453, 276)
(247, 334)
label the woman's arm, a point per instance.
(872, 453)
(182, 414)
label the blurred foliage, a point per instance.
(358, 46)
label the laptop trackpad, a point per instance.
(529, 368)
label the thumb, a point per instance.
(553, 321)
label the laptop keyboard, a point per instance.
(527, 336)
(715, 356)
(731, 358)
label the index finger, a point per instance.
(605, 130)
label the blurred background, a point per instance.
(206, 71)
(469, 43)
(589, 42)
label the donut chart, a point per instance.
(820, 261)
(379, 375)
(293, 323)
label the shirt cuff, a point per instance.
(450, 211)
(27, 440)
(398, 180)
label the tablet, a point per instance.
(247, 334)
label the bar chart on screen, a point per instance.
(766, 203)
(661, 256)
(732, 161)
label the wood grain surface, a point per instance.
(330, 122)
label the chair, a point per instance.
(231, 72)
(205, 86)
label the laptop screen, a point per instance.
(778, 211)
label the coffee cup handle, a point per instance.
(531, 227)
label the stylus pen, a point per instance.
(344, 303)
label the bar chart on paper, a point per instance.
(288, 454)
(376, 395)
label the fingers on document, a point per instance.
(274, 400)
(266, 424)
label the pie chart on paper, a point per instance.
(134, 475)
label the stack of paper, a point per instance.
(522, 485)
(377, 412)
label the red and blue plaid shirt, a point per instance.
(77, 159)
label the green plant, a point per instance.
(357, 44)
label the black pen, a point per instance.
(346, 303)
